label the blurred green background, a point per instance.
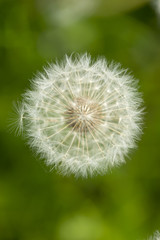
(36, 204)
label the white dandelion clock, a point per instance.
(82, 117)
(156, 5)
(156, 236)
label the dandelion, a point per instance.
(156, 4)
(156, 236)
(82, 117)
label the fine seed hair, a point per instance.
(81, 116)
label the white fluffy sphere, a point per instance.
(156, 236)
(82, 117)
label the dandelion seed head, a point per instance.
(82, 117)
(156, 236)
(156, 5)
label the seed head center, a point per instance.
(84, 115)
